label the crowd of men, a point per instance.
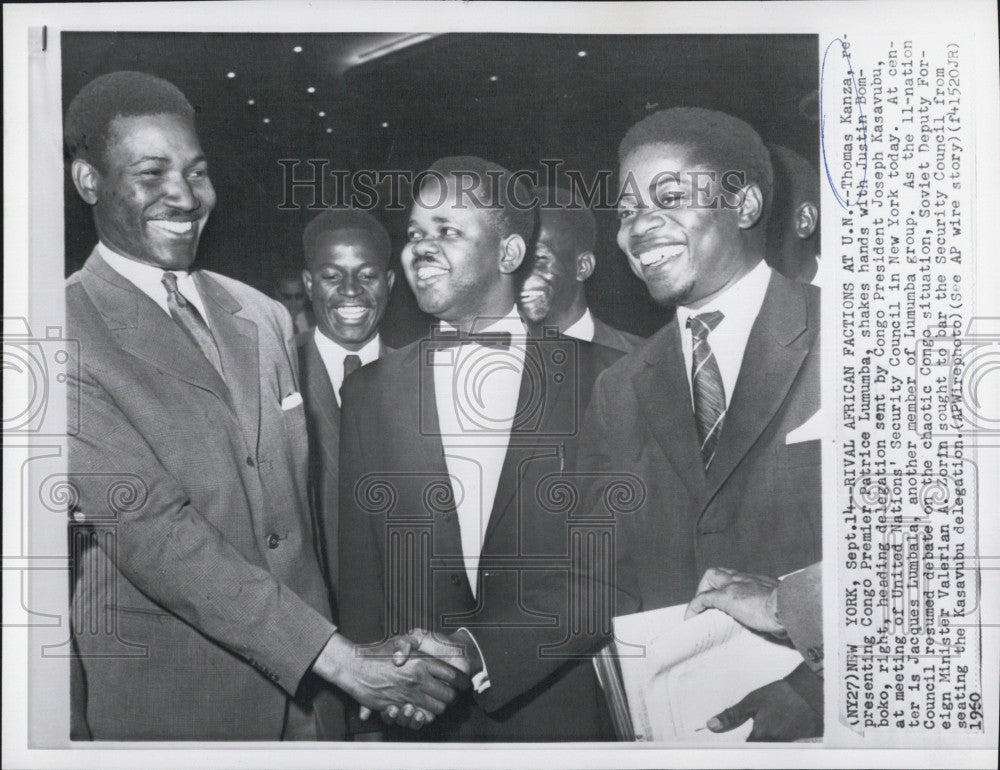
(328, 539)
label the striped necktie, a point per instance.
(188, 318)
(706, 384)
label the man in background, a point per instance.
(553, 294)
(793, 232)
(348, 281)
(291, 293)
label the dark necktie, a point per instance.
(352, 362)
(447, 339)
(187, 317)
(706, 384)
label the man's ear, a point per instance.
(751, 207)
(512, 251)
(307, 282)
(390, 278)
(86, 179)
(585, 264)
(806, 219)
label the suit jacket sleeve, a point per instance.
(518, 658)
(800, 611)
(174, 555)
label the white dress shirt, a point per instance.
(582, 328)
(476, 390)
(739, 304)
(333, 355)
(149, 279)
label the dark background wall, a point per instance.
(402, 101)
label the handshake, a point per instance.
(409, 679)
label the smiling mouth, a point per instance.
(532, 295)
(351, 313)
(656, 255)
(173, 227)
(430, 272)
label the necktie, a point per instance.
(187, 317)
(706, 384)
(352, 362)
(501, 340)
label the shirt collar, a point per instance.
(510, 323)
(582, 328)
(367, 354)
(149, 278)
(739, 304)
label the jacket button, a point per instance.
(272, 541)
(456, 579)
(250, 461)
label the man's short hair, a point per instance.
(508, 199)
(346, 221)
(715, 139)
(117, 94)
(565, 212)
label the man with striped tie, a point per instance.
(704, 411)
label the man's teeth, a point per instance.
(351, 313)
(179, 228)
(532, 294)
(429, 271)
(654, 256)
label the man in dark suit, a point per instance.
(199, 607)
(449, 449)
(706, 415)
(707, 412)
(562, 260)
(348, 280)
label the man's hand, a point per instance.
(750, 599)
(380, 677)
(778, 712)
(457, 650)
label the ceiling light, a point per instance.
(321, 114)
(251, 101)
(329, 131)
(493, 78)
(297, 49)
(230, 75)
(581, 54)
(385, 124)
(267, 120)
(310, 90)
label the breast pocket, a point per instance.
(799, 454)
(295, 423)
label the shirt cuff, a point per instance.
(480, 681)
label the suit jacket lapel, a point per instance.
(539, 404)
(664, 394)
(236, 338)
(323, 406)
(142, 329)
(775, 351)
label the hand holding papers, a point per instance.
(678, 674)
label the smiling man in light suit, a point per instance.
(199, 607)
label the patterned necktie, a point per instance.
(187, 317)
(352, 362)
(706, 384)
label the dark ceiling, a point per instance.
(402, 101)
